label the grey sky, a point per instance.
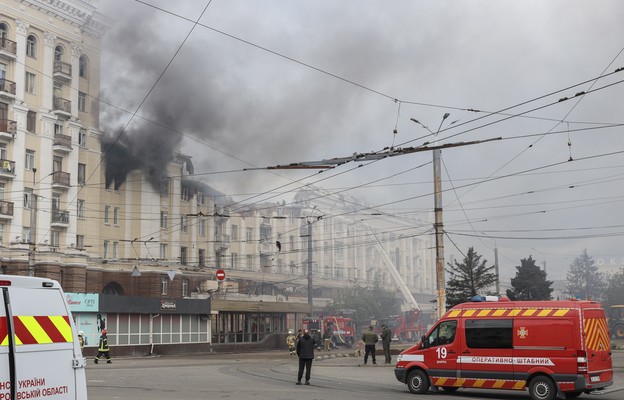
(233, 103)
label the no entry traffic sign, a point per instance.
(220, 274)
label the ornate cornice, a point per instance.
(80, 13)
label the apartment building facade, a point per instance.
(60, 218)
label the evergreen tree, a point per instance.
(615, 289)
(469, 279)
(530, 282)
(583, 279)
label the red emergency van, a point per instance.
(550, 347)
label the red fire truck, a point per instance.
(343, 329)
(405, 326)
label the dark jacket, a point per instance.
(305, 347)
(386, 335)
(370, 338)
(103, 346)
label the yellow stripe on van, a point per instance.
(514, 312)
(483, 313)
(469, 313)
(529, 312)
(454, 313)
(63, 327)
(519, 385)
(35, 329)
(498, 313)
(478, 383)
(498, 384)
(544, 312)
(561, 312)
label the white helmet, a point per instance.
(80, 333)
(290, 331)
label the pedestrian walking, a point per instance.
(305, 351)
(386, 339)
(103, 349)
(291, 342)
(369, 338)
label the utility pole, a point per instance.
(32, 245)
(310, 302)
(496, 269)
(439, 234)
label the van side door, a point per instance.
(440, 353)
(6, 372)
(486, 360)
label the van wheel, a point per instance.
(542, 388)
(573, 395)
(418, 382)
(450, 389)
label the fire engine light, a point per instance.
(5, 283)
(581, 361)
(399, 357)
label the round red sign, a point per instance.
(220, 274)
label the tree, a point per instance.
(615, 289)
(583, 279)
(469, 279)
(530, 282)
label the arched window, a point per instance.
(4, 31)
(83, 66)
(58, 53)
(31, 46)
(113, 288)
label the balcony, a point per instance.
(222, 242)
(62, 143)
(60, 219)
(62, 71)
(8, 49)
(8, 128)
(7, 168)
(7, 89)
(61, 107)
(266, 248)
(60, 180)
(6, 209)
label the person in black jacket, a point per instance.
(305, 351)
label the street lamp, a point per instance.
(438, 225)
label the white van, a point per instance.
(40, 354)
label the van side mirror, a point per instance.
(423, 342)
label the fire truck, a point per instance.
(405, 326)
(342, 328)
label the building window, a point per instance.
(202, 227)
(30, 160)
(82, 172)
(185, 194)
(80, 212)
(163, 285)
(116, 216)
(82, 138)
(25, 234)
(31, 46)
(30, 83)
(183, 255)
(55, 238)
(233, 262)
(28, 198)
(31, 121)
(105, 255)
(58, 53)
(80, 242)
(164, 186)
(1, 232)
(163, 251)
(115, 245)
(234, 232)
(248, 235)
(185, 286)
(106, 213)
(82, 102)
(183, 224)
(249, 262)
(163, 219)
(202, 257)
(200, 198)
(58, 129)
(83, 66)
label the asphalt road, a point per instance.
(271, 375)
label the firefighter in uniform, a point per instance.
(81, 340)
(291, 341)
(103, 349)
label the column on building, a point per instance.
(75, 70)
(20, 69)
(47, 83)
